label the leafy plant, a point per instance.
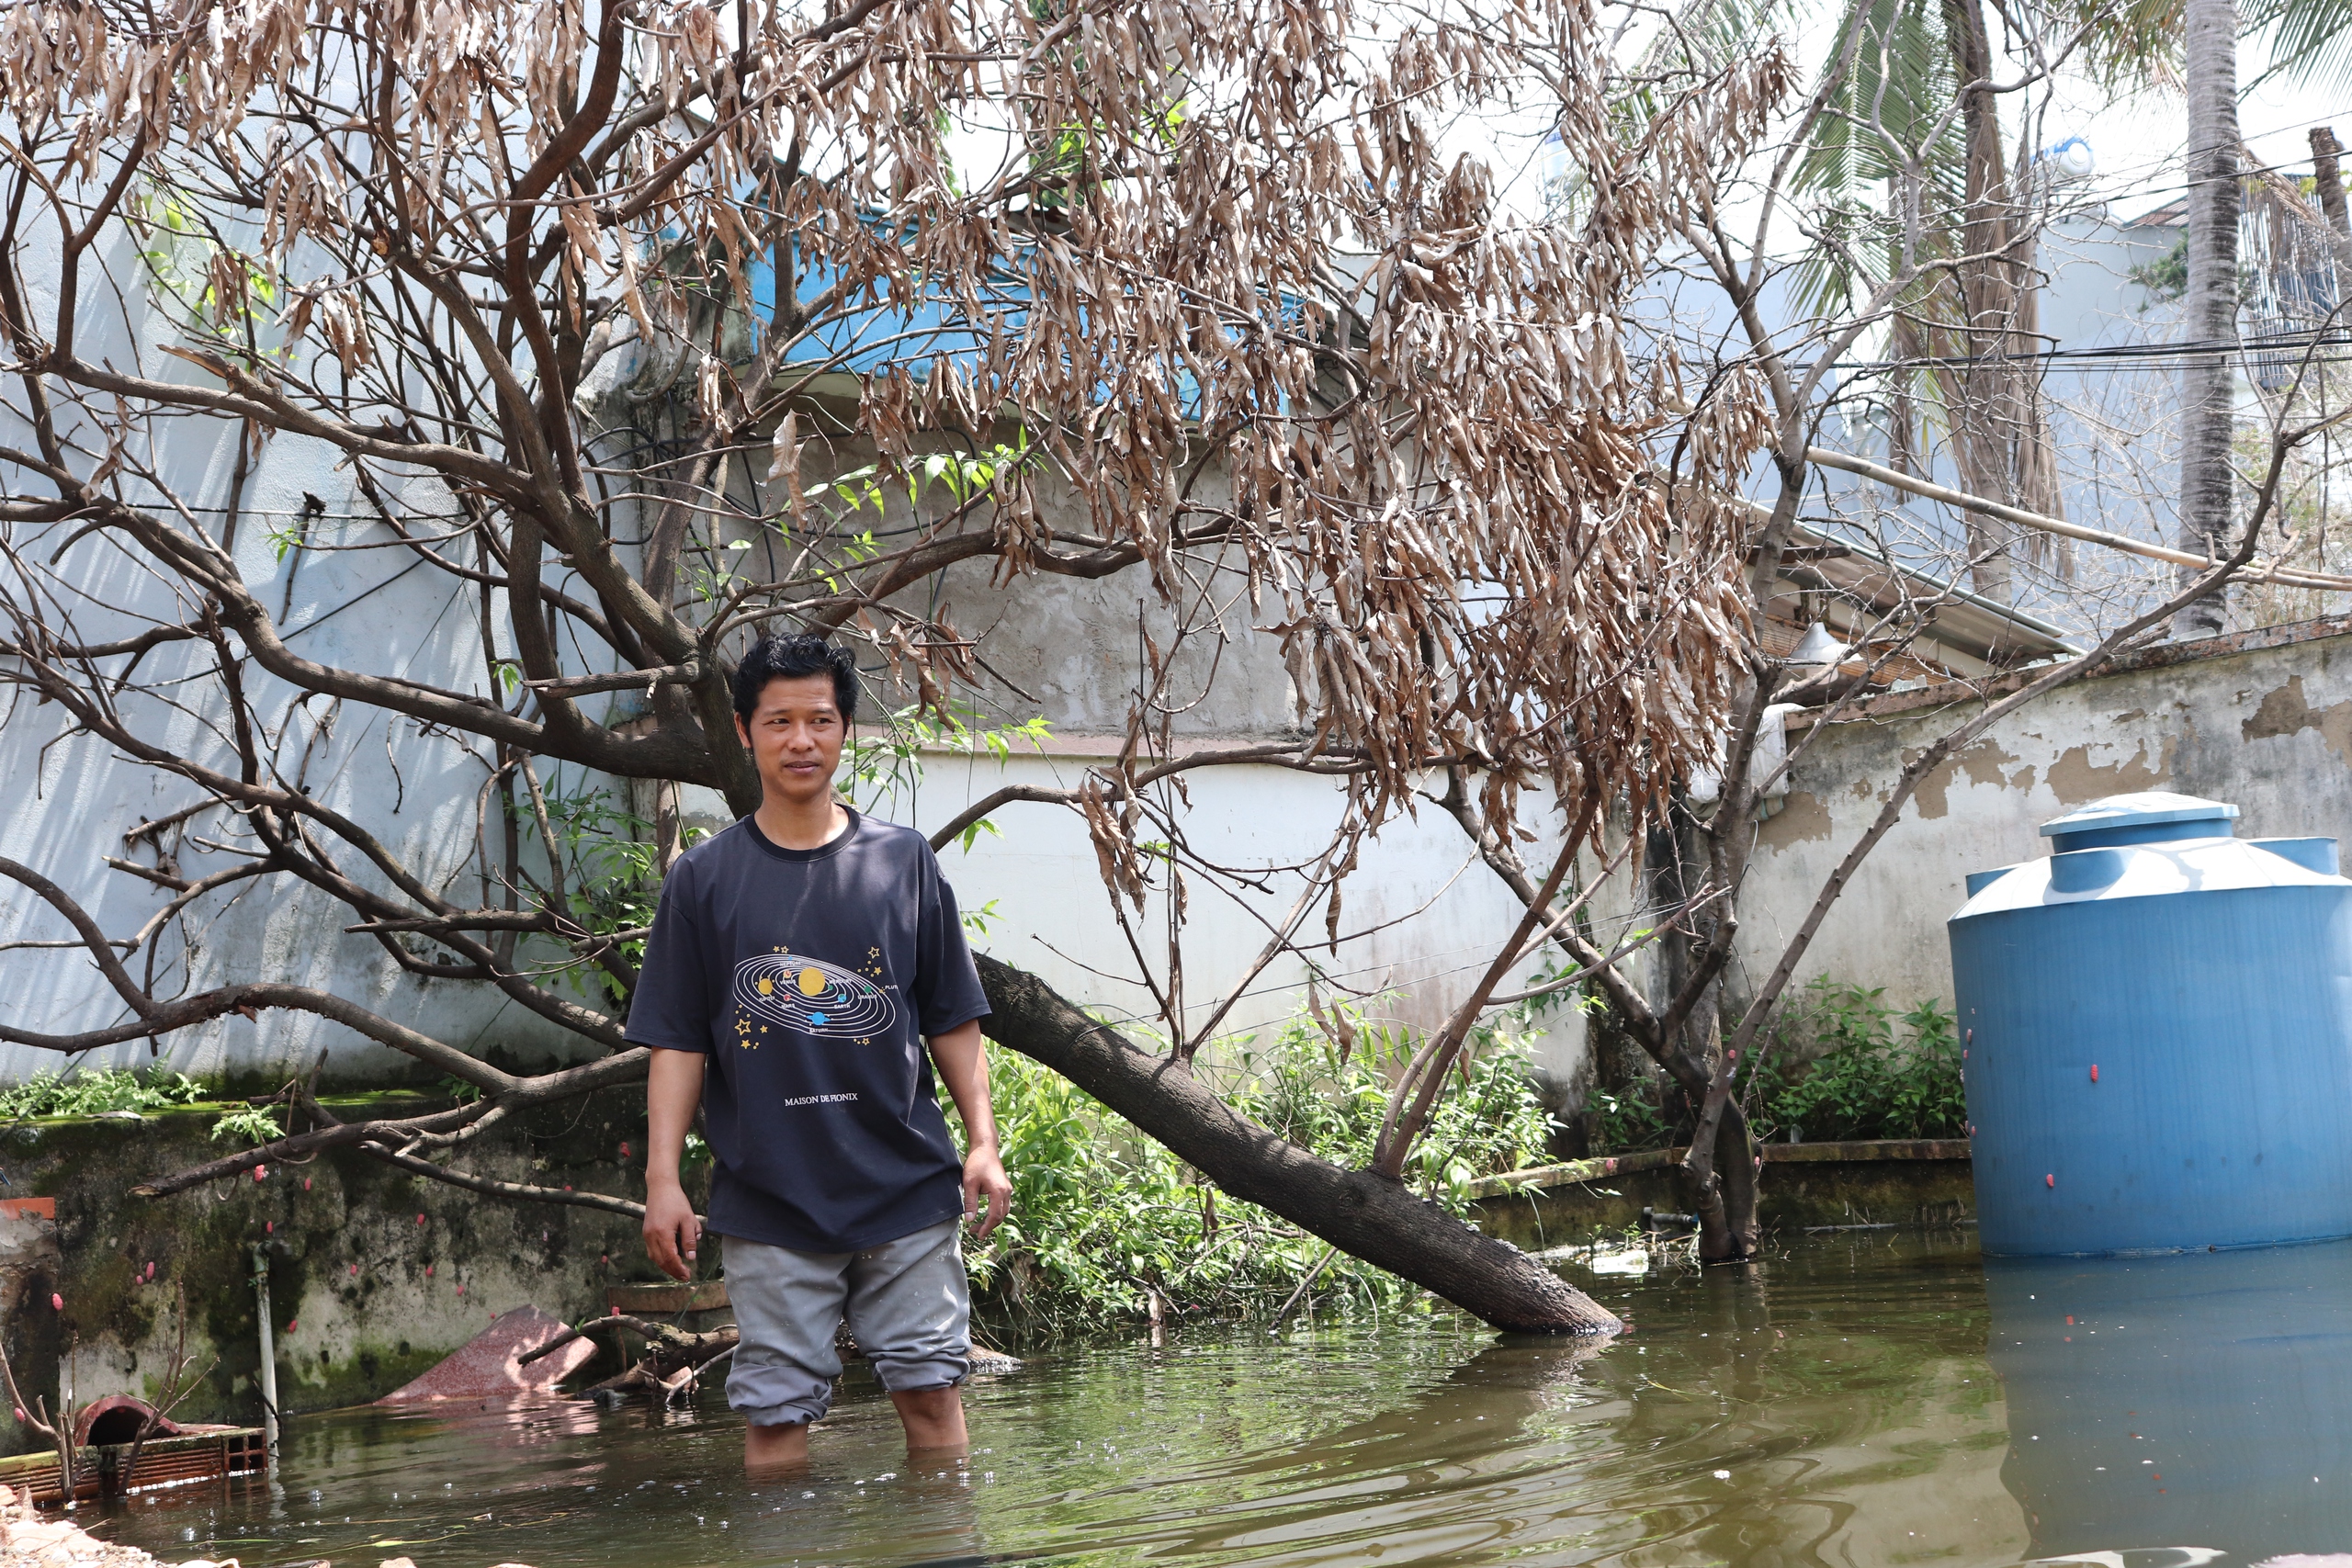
(616, 880)
(1869, 1081)
(1631, 1119)
(249, 1124)
(611, 876)
(1843, 1064)
(90, 1093)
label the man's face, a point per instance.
(796, 736)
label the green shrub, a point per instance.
(1101, 1213)
(1626, 1122)
(90, 1092)
(1869, 1082)
(1842, 1065)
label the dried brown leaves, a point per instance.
(1225, 288)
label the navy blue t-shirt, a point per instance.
(810, 978)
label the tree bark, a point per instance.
(2209, 379)
(1735, 1173)
(2327, 175)
(1365, 1216)
(2000, 435)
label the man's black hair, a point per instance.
(788, 655)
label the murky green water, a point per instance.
(1864, 1399)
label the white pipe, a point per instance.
(269, 1359)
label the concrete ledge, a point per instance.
(1895, 1183)
(375, 1274)
(1878, 1148)
(1545, 1177)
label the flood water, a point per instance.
(1867, 1398)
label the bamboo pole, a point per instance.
(1878, 473)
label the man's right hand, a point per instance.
(673, 1229)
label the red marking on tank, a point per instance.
(2094, 1072)
(2051, 1180)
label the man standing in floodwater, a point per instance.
(798, 964)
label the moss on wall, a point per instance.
(374, 1274)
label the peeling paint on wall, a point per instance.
(2286, 711)
(1982, 762)
(1803, 817)
(2075, 779)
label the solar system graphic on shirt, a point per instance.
(809, 996)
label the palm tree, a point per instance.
(1964, 339)
(2209, 378)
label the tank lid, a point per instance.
(2143, 809)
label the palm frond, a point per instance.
(2310, 40)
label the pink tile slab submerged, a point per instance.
(485, 1366)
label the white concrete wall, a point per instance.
(70, 801)
(2262, 721)
(1419, 919)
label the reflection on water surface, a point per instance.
(1833, 1405)
(2205, 1398)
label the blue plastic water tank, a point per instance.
(2157, 1027)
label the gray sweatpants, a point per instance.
(907, 1303)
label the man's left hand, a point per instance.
(984, 1181)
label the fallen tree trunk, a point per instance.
(1365, 1216)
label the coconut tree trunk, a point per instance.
(1367, 1216)
(2209, 379)
(2327, 176)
